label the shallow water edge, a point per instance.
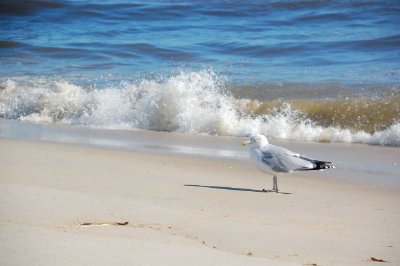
(356, 163)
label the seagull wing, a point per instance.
(284, 160)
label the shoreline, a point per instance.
(356, 163)
(184, 210)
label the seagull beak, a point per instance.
(245, 142)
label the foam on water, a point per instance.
(187, 102)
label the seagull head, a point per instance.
(257, 139)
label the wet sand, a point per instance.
(185, 209)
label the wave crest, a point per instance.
(188, 102)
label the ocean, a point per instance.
(320, 71)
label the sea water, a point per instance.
(325, 71)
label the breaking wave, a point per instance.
(187, 102)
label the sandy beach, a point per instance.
(61, 204)
(122, 123)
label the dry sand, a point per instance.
(182, 210)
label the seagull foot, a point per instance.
(268, 190)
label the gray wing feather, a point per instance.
(284, 160)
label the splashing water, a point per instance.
(187, 102)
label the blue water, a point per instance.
(195, 67)
(249, 42)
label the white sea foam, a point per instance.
(188, 102)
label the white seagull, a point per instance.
(274, 159)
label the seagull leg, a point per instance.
(275, 184)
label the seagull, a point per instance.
(274, 159)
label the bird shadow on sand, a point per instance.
(238, 189)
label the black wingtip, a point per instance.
(320, 165)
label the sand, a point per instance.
(185, 210)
